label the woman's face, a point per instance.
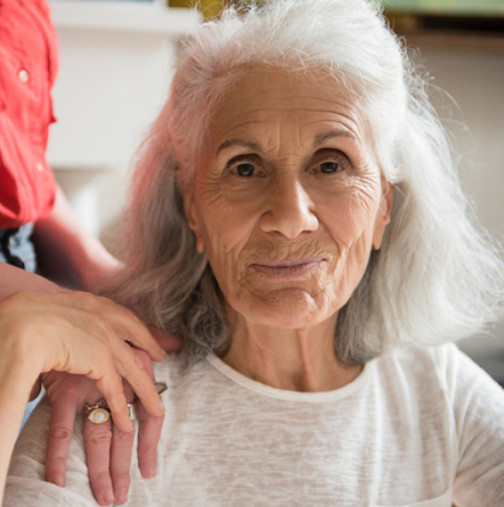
(289, 199)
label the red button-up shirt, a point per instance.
(28, 65)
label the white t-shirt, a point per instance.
(418, 427)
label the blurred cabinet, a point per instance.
(458, 24)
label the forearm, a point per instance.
(16, 280)
(68, 253)
(16, 380)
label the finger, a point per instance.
(122, 449)
(167, 341)
(106, 368)
(149, 434)
(129, 326)
(111, 386)
(60, 435)
(120, 457)
(97, 439)
(133, 368)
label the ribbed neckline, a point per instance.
(283, 394)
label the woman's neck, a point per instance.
(296, 360)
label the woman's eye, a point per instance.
(330, 162)
(245, 170)
(330, 167)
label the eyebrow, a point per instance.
(251, 145)
(322, 138)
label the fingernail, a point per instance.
(59, 480)
(163, 410)
(121, 496)
(108, 497)
(150, 473)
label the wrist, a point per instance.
(21, 360)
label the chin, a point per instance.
(288, 309)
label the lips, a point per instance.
(288, 268)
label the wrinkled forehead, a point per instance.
(261, 94)
(255, 93)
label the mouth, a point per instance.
(288, 268)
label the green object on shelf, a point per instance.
(210, 8)
(448, 7)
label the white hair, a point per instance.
(437, 276)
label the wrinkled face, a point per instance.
(289, 200)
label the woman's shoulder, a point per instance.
(447, 359)
(443, 372)
(416, 357)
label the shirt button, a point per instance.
(40, 167)
(23, 75)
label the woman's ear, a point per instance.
(193, 219)
(383, 215)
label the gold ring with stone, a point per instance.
(100, 412)
(97, 413)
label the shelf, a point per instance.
(487, 8)
(478, 33)
(123, 16)
(459, 41)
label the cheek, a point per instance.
(224, 228)
(227, 215)
(350, 217)
(351, 228)
(211, 207)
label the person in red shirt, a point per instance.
(38, 231)
(30, 199)
(28, 53)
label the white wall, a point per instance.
(110, 89)
(116, 61)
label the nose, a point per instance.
(289, 210)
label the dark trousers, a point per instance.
(16, 247)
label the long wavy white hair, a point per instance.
(437, 277)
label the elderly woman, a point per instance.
(296, 217)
